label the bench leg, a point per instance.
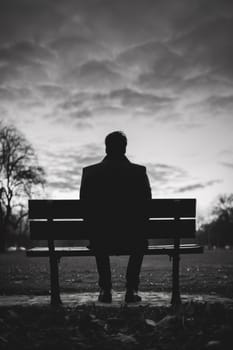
(54, 280)
(176, 300)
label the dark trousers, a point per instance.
(132, 273)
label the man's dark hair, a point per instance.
(116, 143)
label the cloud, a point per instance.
(134, 99)
(208, 44)
(199, 53)
(227, 164)
(117, 102)
(215, 106)
(219, 103)
(204, 84)
(64, 172)
(9, 94)
(164, 177)
(63, 185)
(29, 20)
(74, 50)
(22, 52)
(24, 73)
(126, 22)
(51, 91)
(9, 75)
(143, 55)
(95, 75)
(6, 94)
(156, 65)
(198, 186)
(24, 61)
(163, 172)
(173, 48)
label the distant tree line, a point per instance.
(219, 230)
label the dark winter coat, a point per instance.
(115, 193)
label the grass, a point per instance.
(211, 272)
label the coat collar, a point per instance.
(110, 159)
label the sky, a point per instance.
(72, 71)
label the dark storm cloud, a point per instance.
(137, 47)
(9, 74)
(10, 94)
(26, 19)
(24, 62)
(30, 72)
(95, 75)
(205, 83)
(143, 55)
(133, 98)
(51, 91)
(75, 100)
(23, 52)
(126, 22)
(87, 104)
(159, 65)
(210, 46)
(75, 49)
(6, 94)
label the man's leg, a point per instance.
(104, 271)
(132, 276)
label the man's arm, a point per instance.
(83, 186)
(148, 194)
(144, 185)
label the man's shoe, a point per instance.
(131, 296)
(105, 296)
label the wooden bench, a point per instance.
(63, 220)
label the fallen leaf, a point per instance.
(150, 323)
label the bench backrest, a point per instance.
(63, 219)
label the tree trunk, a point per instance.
(2, 232)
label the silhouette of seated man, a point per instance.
(115, 193)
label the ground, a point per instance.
(211, 272)
(194, 325)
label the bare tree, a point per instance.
(224, 207)
(219, 231)
(19, 175)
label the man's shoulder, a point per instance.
(92, 168)
(138, 167)
(98, 167)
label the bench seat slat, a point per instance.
(71, 209)
(68, 230)
(84, 251)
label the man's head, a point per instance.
(116, 143)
